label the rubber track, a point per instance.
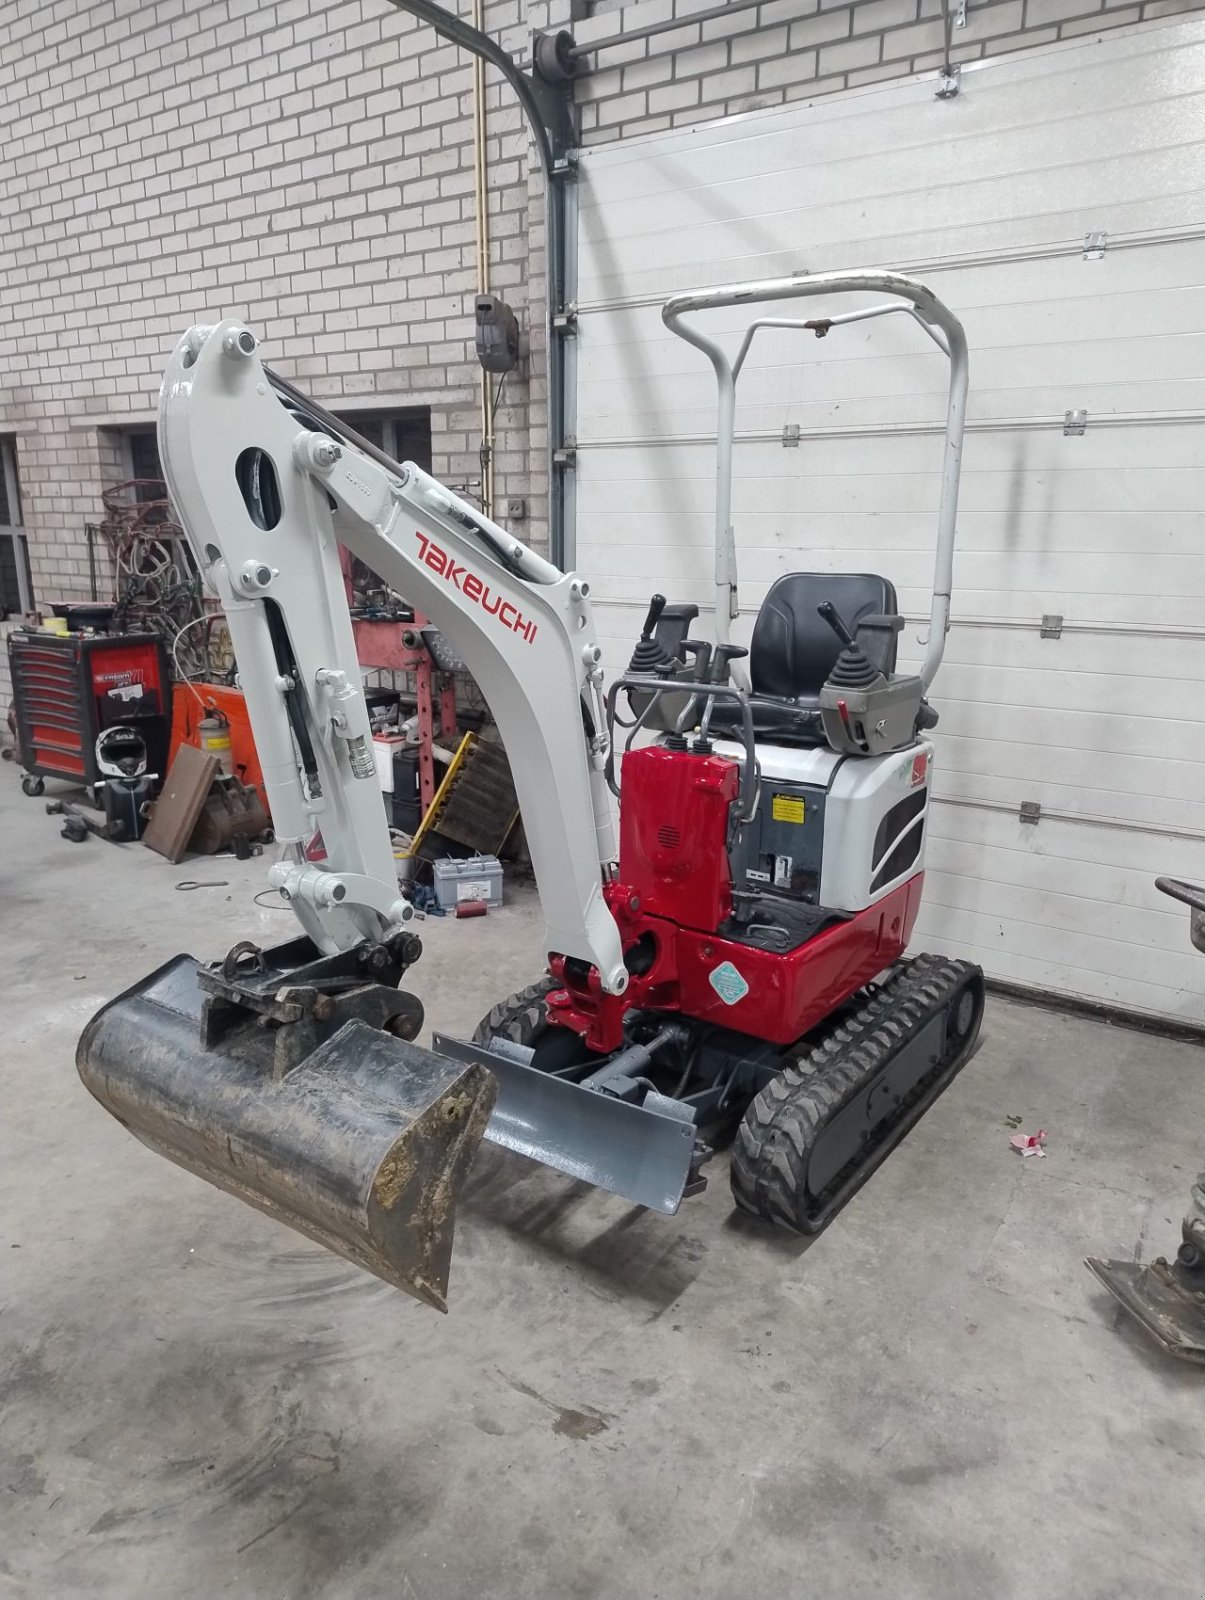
(772, 1143)
(519, 1018)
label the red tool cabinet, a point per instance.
(67, 688)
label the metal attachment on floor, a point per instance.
(1166, 1297)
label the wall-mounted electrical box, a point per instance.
(497, 334)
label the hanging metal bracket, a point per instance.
(949, 81)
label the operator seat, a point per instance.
(793, 650)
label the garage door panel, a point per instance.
(1102, 725)
(1069, 968)
(836, 476)
(650, 398)
(1088, 917)
(1144, 788)
(1049, 852)
(1123, 611)
(729, 182)
(1077, 730)
(1035, 98)
(1038, 161)
(1030, 781)
(1085, 575)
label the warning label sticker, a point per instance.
(787, 808)
(728, 983)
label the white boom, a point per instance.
(265, 500)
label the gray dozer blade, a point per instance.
(363, 1146)
(642, 1152)
(1157, 1297)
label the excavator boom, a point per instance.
(289, 1076)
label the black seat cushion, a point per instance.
(793, 650)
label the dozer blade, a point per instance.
(1170, 1310)
(645, 1153)
(363, 1145)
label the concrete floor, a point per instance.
(935, 1399)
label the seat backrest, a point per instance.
(793, 649)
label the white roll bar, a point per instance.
(938, 321)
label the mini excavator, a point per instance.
(732, 964)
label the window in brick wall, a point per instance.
(16, 582)
(142, 456)
(404, 435)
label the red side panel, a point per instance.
(786, 995)
(773, 996)
(673, 834)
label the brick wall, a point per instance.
(307, 165)
(798, 49)
(304, 165)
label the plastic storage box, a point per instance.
(475, 878)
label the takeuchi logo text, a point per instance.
(474, 588)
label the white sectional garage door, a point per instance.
(990, 197)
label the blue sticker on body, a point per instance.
(728, 983)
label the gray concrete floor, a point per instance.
(935, 1399)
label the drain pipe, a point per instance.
(481, 196)
(546, 96)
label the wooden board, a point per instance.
(179, 805)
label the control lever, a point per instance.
(656, 606)
(700, 649)
(650, 655)
(837, 623)
(721, 657)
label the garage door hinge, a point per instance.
(790, 436)
(565, 322)
(1095, 245)
(1030, 811)
(1052, 625)
(948, 81)
(565, 166)
(1074, 422)
(566, 457)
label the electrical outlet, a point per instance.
(516, 510)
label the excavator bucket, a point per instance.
(361, 1142)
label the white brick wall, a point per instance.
(307, 165)
(791, 49)
(304, 165)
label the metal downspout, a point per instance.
(547, 106)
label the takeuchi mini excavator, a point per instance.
(733, 966)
